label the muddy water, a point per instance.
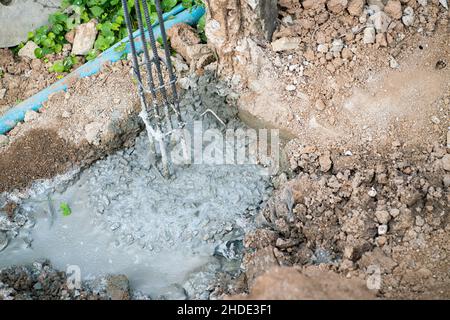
(166, 235)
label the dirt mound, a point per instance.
(359, 214)
(312, 283)
(40, 154)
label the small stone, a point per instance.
(394, 212)
(323, 48)
(420, 221)
(382, 229)
(85, 36)
(325, 162)
(408, 16)
(4, 140)
(355, 7)
(28, 50)
(393, 63)
(320, 105)
(372, 192)
(383, 216)
(381, 241)
(30, 115)
(380, 21)
(381, 40)
(435, 120)
(347, 54)
(2, 93)
(70, 36)
(291, 87)
(93, 131)
(394, 9)
(286, 44)
(337, 6)
(369, 35)
(445, 179)
(446, 162)
(337, 46)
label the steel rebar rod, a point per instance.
(172, 76)
(157, 62)
(152, 133)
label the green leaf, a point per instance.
(168, 5)
(58, 67)
(65, 209)
(97, 11)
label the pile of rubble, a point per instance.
(359, 215)
(330, 30)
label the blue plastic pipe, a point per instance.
(17, 113)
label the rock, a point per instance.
(312, 283)
(337, 46)
(182, 36)
(382, 229)
(199, 56)
(408, 16)
(393, 63)
(369, 35)
(337, 6)
(394, 9)
(445, 179)
(372, 193)
(380, 21)
(291, 87)
(355, 7)
(286, 43)
(377, 258)
(320, 105)
(446, 162)
(4, 140)
(28, 50)
(325, 162)
(383, 216)
(92, 132)
(420, 221)
(381, 40)
(2, 93)
(323, 48)
(70, 36)
(378, 3)
(118, 287)
(444, 3)
(85, 35)
(30, 115)
(347, 54)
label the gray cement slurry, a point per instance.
(165, 235)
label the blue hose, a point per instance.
(17, 113)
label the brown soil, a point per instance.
(40, 154)
(311, 283)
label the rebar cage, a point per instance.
(156, 79)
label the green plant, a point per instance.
(65, 209)
(64, 65)
(111, 25)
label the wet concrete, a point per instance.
(165, 235)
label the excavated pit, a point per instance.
(169, 237)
